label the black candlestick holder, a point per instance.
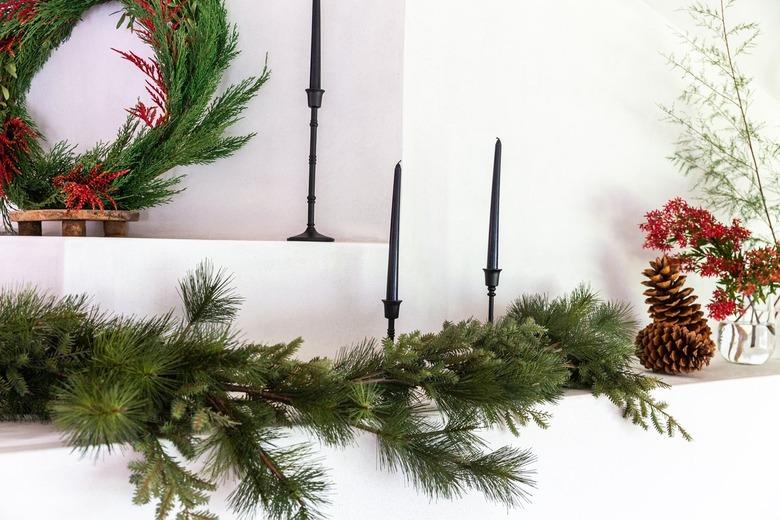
(392, 311)
(491, 281)
(311, 234)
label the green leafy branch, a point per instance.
(734, 163)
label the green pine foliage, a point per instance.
(597, 340)
(41, 338)
(186, 392)
(192, 58)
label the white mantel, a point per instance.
(591, 464)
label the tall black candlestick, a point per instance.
(492, 273)
(392, 303)
(315, 94)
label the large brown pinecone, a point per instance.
(669, 301)
(673, 349)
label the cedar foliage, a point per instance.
(597, 340)
(186, 392)
(192, 59)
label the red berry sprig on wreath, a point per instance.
(183, 122)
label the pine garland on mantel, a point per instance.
(186, 390)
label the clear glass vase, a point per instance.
(751, 339)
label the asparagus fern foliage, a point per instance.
(729, 153)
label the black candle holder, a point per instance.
(392, 311)
(491, 281)
(311, 234)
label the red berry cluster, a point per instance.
(722, 305)
(678, 224)
(8, 45)
(22, 10)
(15, 138)
(715, 250)
(87, 188)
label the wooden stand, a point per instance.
(74, 222)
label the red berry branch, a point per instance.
(167, 11)
(712, 249)
(8, 45)
(87, 189)
(155, 85)
(15, 138)
(22, 10)
(681, 225)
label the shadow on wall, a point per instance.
(621, 212)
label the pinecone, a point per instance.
(669, 301)
(673, 349)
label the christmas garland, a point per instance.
(187, 393)
(184, 123)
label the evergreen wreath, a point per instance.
(186, 393)
(184, 124)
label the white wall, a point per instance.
(571, 87)
(260, 193)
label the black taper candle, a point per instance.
(314, 94)
(315, 76)
(492, 272)
(391, 302)
(495, 199)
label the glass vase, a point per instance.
(749, 340)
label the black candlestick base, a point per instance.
(491, 281)
(311, 235)
(392, 311)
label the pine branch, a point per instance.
(446, 462)
(208, 296)
(226, 406)
(158, 476)
(597, 339)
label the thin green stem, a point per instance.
(743, 113)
